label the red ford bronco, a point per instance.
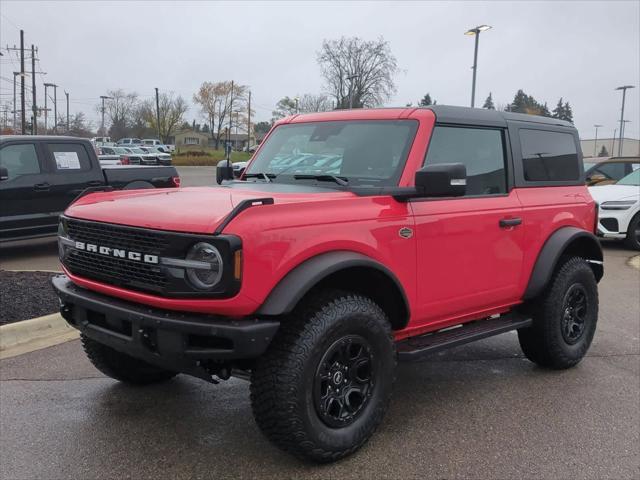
(353, 239)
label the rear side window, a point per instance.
(19, 160)
(69, 157)
(480, 150)
(549, 156)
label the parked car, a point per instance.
(619, 209)
(404, 232)
(238, 168)
(152, 142)
(139, 156)
(113, 156)
(129, 141)
(162, 158)
(98, 141)
(605, 171)
(41, 175)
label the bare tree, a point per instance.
(171, 112)
(119, 110)
(309, 103)
(358, 73)
(216, 100)
(79, 126)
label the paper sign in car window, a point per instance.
(67, 160)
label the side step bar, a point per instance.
(416, 347)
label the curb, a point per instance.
(29, 335)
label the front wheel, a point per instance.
(564, 317)
(325, 383)
(633, 233)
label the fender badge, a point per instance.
(405, 232)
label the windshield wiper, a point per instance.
(324, 177)
(264, 176)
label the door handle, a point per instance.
(41, 187)
(94, 183)
(510, 222)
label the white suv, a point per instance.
(619, 209)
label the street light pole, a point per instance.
(595, 143)
(613, 143)
(475, 31)
(624, 93)
(67, 95)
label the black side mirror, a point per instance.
(4, 173)
(442, 180)
(224, 171)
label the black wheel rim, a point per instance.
(344, 381)
(574, 313)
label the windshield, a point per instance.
(361, 152)
(632, 179)
(120, 150)
(137, 150)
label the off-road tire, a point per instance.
(122, 367)
(632, 241)
(544, 342)
(283, 382)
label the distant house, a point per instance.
(186, 138)
(238, 140)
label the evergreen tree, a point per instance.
(568, 113)
(523, 103)
(426, 101)
(544, 111)
(558, 112)
(488, 103)
(603, 152)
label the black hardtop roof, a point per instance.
(468, 115)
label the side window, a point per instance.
(549, 156)
(480, 150)
(69, 157)
(614, 171)
(19, 160)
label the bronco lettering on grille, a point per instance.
(117, 252)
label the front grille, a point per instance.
(114, 236)
(117, 271)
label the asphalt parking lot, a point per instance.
(478, 411)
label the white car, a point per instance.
(619, 209)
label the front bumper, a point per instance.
(183, 342)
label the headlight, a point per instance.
(618, 205)
(206, 271)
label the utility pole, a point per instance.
(226, 147)
(34, 125)
(15, 110)
(55, 109)
(103, 97)
(67, 95)
(624, 93)
(23, 121)
(249, 122)
(158, 114)
(595, 143)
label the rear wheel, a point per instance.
(325, 383)
(122, 367)
(633, 233)
(564, 317)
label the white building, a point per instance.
(630, 147)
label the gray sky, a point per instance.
(576, 50)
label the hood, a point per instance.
(608, 193)
(189, 210)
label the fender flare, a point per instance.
(300, 280)
(554, 247)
